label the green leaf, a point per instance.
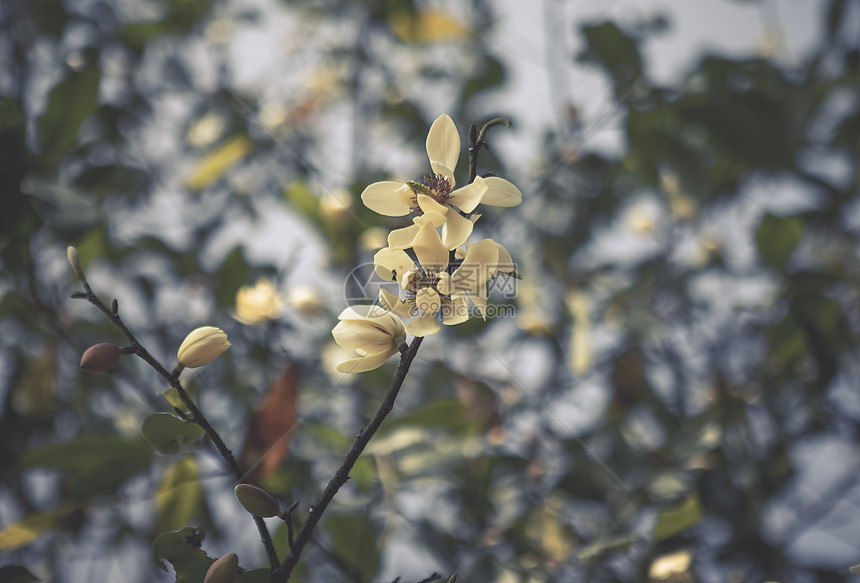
(304, 201)
(93, 464)
(171, 395)
(606, 545)
(179, 496)
(168, 433)
(678, 519)
(72, 101)
(29, 529)
(614, 50)
(16, 574)
(181, 548)
(231, 276)
(492, 75)
(354, 541)
(777, 237)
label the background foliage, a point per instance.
(676, 398)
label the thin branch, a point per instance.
(197, 416)
(282, 573)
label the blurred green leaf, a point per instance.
(606, 545)
(181, 548)
(171, 395)
(777, 237)
(231, 275)
(217, 162)
(29, 529)
(611, 48)
(304, 201)
(179, 495)
(168, 433)
(677, 519)
(93, 464)
(354, 540)
(16, 574)
(491, 75)
(72, 101)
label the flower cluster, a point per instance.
(431, 259)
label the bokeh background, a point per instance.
(675, 399)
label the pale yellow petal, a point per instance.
(479, 299)
(444, 284)
(455, 310)
(441, 170)
(505, 263)
(391, 264)
(391, 302)
(381, 197)
(361, 335)
(477, 267)
(432, 217)
(428, 301)
(443, 142)
(432, 255)
(365, 363)
(456, 230)
(428, 204)
(402, 238)
(469, 196)
(406, 197)
(377, 315)
(500, 192)
(423, 326)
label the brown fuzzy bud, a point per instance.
(257, 501)
(100, 357)
(223, 570)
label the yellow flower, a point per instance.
(259, 303)
(373, 332)
(305, 299)
(430, 290)
(436, 200)
(202, 346)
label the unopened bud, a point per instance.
(202, 346)
(75, 262)
(257, 501)
(223, 570)
(100, 357)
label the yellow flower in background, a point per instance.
(436, 200)
(373, 332)
(305, 299)
(258, 303)
(202, 346)
(427, 26)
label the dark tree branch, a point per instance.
(196, 415)
(408, 353)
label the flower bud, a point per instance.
(202, 346)
(75, 262)
(257, 501)
(100, 357)
(223, 570)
